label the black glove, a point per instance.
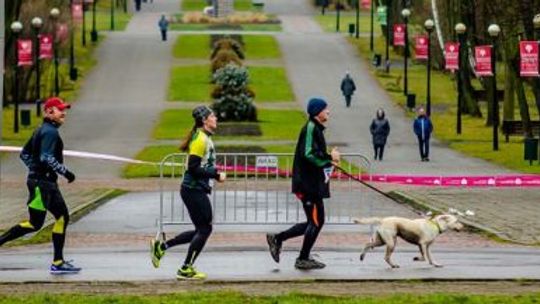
(69, 176)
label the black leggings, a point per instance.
(43, 196)
(314, 210)
(379, 151)
(200, 211)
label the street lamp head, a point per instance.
(428, 25)
(16, 26)
(54, 13)
(406, 13)
(460, 28)
(37, 22)
(494, 30)
(536, 21)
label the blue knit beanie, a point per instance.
(315, 106)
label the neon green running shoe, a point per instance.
(190, 273)
(156, 253)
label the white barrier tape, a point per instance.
(90, 155)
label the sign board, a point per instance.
(24, 49)
(451, 56)
(399, 34)
(267, 161)
(422, 47)
(528, 53)
(482, 55)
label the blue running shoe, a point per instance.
(64, 268)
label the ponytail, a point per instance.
(185, 143)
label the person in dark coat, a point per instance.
(380, 128)
(312, 168)
(347, 88)
(422, 128)
(137, 5)
(163, 26)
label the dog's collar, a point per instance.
(436, 225)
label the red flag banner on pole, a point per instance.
(77, 12)
(24, 49)
(62, 32)
(45, 46)
(528, 53)
(451, 55)
(365, 4)
(421, 47)
(482, 55)
(399, 34)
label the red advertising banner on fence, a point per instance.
(45, 46)
(421, 47)
(365, 4)
(482, 55)
(399, 34)
(528, 53)
(77, 12)
(451, 56)
(24, 50)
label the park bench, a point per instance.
(515, 127)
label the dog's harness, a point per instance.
(436, 225)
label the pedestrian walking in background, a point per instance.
(194, 191)
(43, 156)
(137, 5)
(163, 27)
(422, 128)
(347, 88)
(312, 167)
(380, 129)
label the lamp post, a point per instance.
(37, 23)
(371, 26)
(460, 29)
(494, 31)
(93, 32)
(428, 25)
(338, 10)
(357, 33)
(54, 13)
(112, 15)
(83, 31)
(405, 13)
(536, 23)
(72, 68)
(388, 33)
(16, 28)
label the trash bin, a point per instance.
(377, 58)
(351, 28)
(25, 118)
(411, 101)
(531, 149)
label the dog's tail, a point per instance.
(368, 220)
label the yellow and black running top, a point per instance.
(201, 162)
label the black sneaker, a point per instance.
(274, 246)
(308, 264)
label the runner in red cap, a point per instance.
(43, 155)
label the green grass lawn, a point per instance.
(328, 22)
(192, 83)
(244, 27)
(192, 46)
(199, 5)
(291, 298)
(476, 137)
(103, 20)
(274, 124)
(198, 46)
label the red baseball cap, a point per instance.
(57, 103)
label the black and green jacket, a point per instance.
(310, 160)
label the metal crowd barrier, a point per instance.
(258, 191)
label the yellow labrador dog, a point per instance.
(420, 232)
